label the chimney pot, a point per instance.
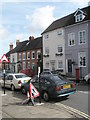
(17, 42)
(31, 38)
(11, 46)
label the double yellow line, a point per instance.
(74, 111)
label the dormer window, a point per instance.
(79, 15)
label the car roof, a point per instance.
(16, 74)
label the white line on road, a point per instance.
(75, 111)
(86, 92)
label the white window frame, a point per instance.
(28, 65)
(13, 58)
(71, 36)
(24, 56)
(19, 56)
(60, 66)
(46, 50)
(24, 65)
(79, 17)
(38, 52)
(83, 37)
(81, 56)
(60, 48)
(46, 36)
(28, 55)
(47, 65)
(59, 32)
(33, 57)
(33, 65)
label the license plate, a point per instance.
(26, 81)
(66, 86)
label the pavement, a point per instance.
(12, 107)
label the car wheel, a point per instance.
(12, 88)
(46, 96)
(23, 90)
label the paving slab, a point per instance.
(12, 108)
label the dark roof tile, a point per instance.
(67, 20)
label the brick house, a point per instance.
(25, 54)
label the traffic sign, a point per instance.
(4, 58)
(33, 91)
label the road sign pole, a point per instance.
(4, 77)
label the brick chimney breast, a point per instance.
(11, 46)
(31, 38)
(17, 42)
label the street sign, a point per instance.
(4, 59)
(33, 91)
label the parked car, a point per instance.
(1, 75)
(6, 72)
(87, 78)
(46, 72)
(14, 80)
(51, 86)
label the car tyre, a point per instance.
(23, 90)
(45, 96)
(12, 88)
(88, 81)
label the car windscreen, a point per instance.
(56, 79)
(20, 76)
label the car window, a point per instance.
(56, 79)
(20, 76)
(10, 77)
(44, 81)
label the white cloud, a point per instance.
(3, 34)
(41, 18)
(81, 3)
(22, 36)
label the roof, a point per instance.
(33, 44)
(27, 45)
(67, 20)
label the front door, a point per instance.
(53, 65)
(69, 66)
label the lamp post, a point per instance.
(39, 69)
(4, 77)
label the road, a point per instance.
(78, 101)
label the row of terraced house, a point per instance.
(64, 46)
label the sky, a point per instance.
(20, 19)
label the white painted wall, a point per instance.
(13, 55)
(52, 43)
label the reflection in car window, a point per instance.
(20, 76)
(56, 79)
(10, 77)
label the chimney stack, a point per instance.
(89, 3)
(31, 38)
(17, 42)
(11, 46)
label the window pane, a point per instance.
(82, 59)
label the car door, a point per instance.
(8, 81)
(44, 84)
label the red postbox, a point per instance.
(77, 74)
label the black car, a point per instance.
(52, 86)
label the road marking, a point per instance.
(74, 110)
(86, 92)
